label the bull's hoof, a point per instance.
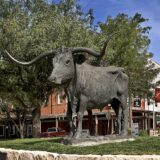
(77, 135)
(123, 134)
(70, 135)
(74, 115)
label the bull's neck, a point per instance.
(73, 83)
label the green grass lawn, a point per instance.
(142, 145)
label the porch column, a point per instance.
(112, 128)
(56, 122)
(96, 125)
(149, 123)
(146, 125)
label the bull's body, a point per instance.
(99, 85)
(95, 87)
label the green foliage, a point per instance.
(129, 50)
(143, 133)
(141, 146)
(28, 28)
(129, 131)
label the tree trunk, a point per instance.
(36, 122)
(21, 131)
(19, 127)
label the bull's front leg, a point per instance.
(82, 108)
(74, 114)
(74, 107)
(70, 121)
(69, 113)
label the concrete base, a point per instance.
(95, 140)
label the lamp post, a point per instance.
(1, 58)
(153, 119)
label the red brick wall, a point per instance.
(53, 107)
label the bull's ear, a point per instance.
(79, 58)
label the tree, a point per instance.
(129, 50)
(16, 114)
(28, 29)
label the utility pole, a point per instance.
(153, 119)
(130, 111)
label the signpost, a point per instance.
(135, 129)
(157, 95)
(137, 102)
(158, 121)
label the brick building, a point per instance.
(54, 115)
(8, 128)
(147, 116)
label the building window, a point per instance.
(1, 131)
(12, 130)
(66, 99)
(29, 130)
(60, 98)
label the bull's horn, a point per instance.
(106, 43)
(92, 52)
(49, 53)
(84, 49)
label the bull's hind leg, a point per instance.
(124, 117)
(116, 105)
(91, 122)
(119, 119)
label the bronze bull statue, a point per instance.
(87, 86)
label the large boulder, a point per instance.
(9, 154)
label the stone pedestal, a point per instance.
(95, 140)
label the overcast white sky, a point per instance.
(149, 9)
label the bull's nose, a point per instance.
(52, 79)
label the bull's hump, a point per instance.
(91, 78)
(110, 69)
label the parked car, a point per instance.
(54, 132)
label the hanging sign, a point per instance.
(157, 95)
(137, 102)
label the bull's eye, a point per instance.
(68, 61)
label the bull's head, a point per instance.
(64, 61)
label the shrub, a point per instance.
(143, 133)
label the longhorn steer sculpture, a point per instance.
(88, 86)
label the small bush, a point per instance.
(143, 133)
(129, 131)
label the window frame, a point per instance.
(60, 100)
(2, 135)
